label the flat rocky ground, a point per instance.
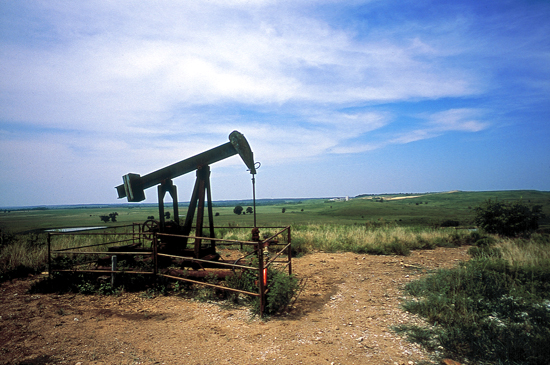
(343, 315)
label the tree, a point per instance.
(104, 218)
(113, 216)
(284, 210)
(238, 210)
(249, 210)
(508, 218)
(167, 215)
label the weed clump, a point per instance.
(282, 289)
(21, 255)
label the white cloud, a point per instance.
(452, 120)
(156, 60)
(461, 120)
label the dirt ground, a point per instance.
(343, 316)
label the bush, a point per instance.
(473, 237)
(282, 288)
(450, 223)
(485, 242)
(508, 219)
(238, 210)
(485, 310)
(6, 237)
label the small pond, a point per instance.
(74, 229)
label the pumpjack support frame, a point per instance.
(134, 185)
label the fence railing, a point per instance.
(274, 251)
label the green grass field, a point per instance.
(423, 210)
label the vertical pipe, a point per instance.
(49, 257)
(202, 173)
(113, 268)
(210, 213)
(161, 193)
(174, 194)
(190, 212)
(254, 197)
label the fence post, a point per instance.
(155, 257)
(261, 277)
(49, 257)
(289, 252)
(113, 268)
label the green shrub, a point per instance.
(484, 251)
(282, 288)
(508, 218)
(485, 310)
(474, 237)
(425, 244)
(450, 223)
(6, 237)
(485, 242)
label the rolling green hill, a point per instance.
(403, 209)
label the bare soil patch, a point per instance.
(343, 315)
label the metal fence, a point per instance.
(66, 253)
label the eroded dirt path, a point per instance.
(343, 316)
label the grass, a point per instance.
(425, 210)
(532, 252)
(494, 309)
(23, 254)
(390, 239)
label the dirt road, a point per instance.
(343, 316)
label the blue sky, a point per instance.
(335, 98)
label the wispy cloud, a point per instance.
(135, 71)
(302, 80)
(436, 124)
(462, 120)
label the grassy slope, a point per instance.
(424, 210)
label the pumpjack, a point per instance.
(174, 240)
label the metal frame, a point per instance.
(137, 239)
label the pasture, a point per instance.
(420, 210)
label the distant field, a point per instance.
(401, 209)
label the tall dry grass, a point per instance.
(31, 251)
(527, 252)
(21, 255)
(381, 240)
(388, 239)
